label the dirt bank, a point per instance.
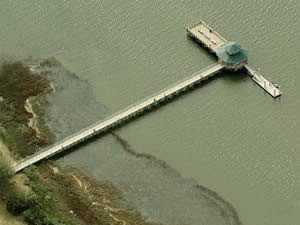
(85, 200)
(61, 194)
(66, 194)
(17, 84)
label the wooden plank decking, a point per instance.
(211, 39)
(202, 33)
(206, 35)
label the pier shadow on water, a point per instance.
(236, 77)
(201, 46)
(150, 185)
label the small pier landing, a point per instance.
(230, 54)
(207, 36)
(269, 86)
(231, 57)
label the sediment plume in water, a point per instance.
(149, 185)
(226, 209)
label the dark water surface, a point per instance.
(227, 135)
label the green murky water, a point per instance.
(228, 135)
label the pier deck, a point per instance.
(202, 33)
(118, 118)
(206, 35)
(267, 85)
(211, 39)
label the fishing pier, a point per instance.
(231, 56)
(125, 115)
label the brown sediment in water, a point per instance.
(126, 147)
(65, 193)
(226, 209)
(69, 194)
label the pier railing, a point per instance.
(62, 141)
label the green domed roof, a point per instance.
(232, 53)
(233, 49)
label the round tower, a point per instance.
(232, 55)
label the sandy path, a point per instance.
(33, 122)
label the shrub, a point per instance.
(5, 175)
(29, 206)
(18, 202)
(37, 216)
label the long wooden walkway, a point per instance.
(118, 118)
(199, 31)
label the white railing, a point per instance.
(60, 142)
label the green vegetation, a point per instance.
(18, 203)
(36, 206)
(30, 206)
(47, 195)
(37, 216)
(17, 85)
(5, 175)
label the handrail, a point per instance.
(60, 142)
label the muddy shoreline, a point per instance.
(23, 132)
(25, 129)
